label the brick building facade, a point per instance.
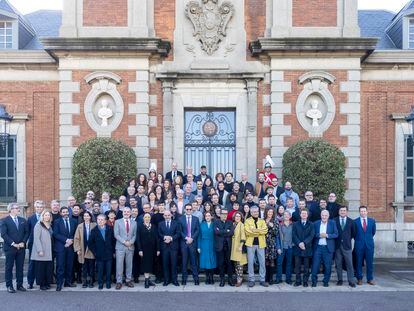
(260, 62)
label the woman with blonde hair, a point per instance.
(238, 251)
(42, 250)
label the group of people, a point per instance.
(189, 223)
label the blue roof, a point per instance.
(46, 23)
(373, 23)
(7, 7)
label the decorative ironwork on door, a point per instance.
(210, 139)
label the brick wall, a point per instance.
(40, 101)
(164, 20)
(86, 132)
(255, 21)
(379, 99)
(315, 13)
(105, 13)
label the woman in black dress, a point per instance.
(148, 247)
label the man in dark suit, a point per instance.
(63, 231)
(343, 245)
(15, 232)
(31, 222)
(223, 233)
(173, 173)
(332, 206)
(246, 185)
(102, 245)
(203, 174)
(323, 247)
(364, 245)
(169, 232)
(303, 232)
(190, 229)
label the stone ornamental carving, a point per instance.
(105, 113)
(210, 22)
(315, 107)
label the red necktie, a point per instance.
(364, 225)
(127, 226)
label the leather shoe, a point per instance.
(30, 286)
(21, 288)
(58, 288)
(100, 286)
(176, 283)
(371, 282)
(108, 286)
(264, 284)
(221, 283)
(136, 280)
(352, 285)
(184, 282)
(118, 286)
(11, 290)
(305, 284)
(130, 284)
(325, 284)
(297, 284)
(359, 282)
(165, 284)
(196, 282)
(339, 283)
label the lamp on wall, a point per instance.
(5, 119)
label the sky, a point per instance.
(27, 6)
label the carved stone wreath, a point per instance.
(210, 22)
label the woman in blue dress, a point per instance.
(206, 247)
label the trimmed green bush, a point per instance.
(102, 164)
(315, 165)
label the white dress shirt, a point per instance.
(322, 229)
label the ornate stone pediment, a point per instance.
(210, 22)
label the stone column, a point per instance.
(168, 130)
(252, 86)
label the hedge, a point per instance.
(102, 164)
(315, 165)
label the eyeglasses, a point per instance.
(188, 210)
(87, 202)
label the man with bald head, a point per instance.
(323, 247)
(173, 173)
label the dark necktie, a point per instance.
(67, 225)
(16, 221)
(188, 227)
(364, 225)
(342, 223)
(127, 226)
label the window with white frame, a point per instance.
(6, 35)
(411, 33)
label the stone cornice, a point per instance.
(144, 45)
(363, 46)
(398, 116)
(391, 57)
(25, 57)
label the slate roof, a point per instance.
(43, 29)
(373, 23)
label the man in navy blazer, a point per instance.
(15, 233)
(364, 245)
(323, 247)
(63, 232)
(343, 245)
(31, 223)
(190, 229)
(169, 232)
(102, 245)
(173, 173)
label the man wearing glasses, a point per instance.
(190, 230)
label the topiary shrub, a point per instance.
(102, 164)
(315, 165)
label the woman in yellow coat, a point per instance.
(237, 253)
(80, 246)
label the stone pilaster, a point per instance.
(141, 111)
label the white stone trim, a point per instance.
(211, 94)
(67, 130)
(286, 63)
(103, 63)
(352, 130)
(28, 75)
(388, 75)
(402, 128)
(279, 108)
(140, 21)
(142, 120)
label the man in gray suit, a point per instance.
(125, 230)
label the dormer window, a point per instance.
(411, 34)
(6, 35)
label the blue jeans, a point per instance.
(104, 266)
(322, 254)
(286, 255)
